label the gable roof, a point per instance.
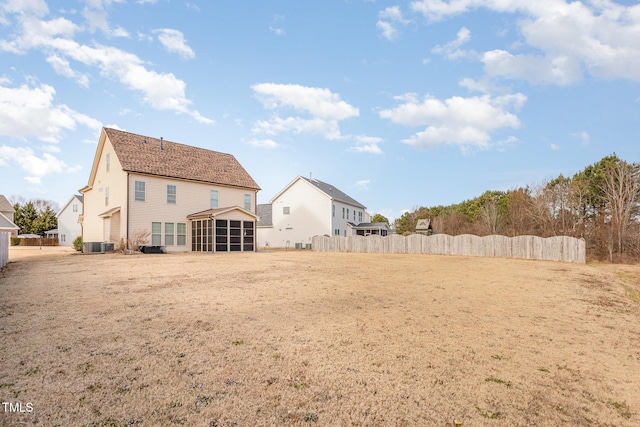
(66, 205)
(334, 193)
(6, 223)
(152, 156)
(213, 212)
(331, 191)
(423, 224)
(5, 206)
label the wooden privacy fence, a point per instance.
(37, 241)
(559, 248)
(4, 248)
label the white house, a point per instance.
(6, 217)
(305, 208)
(184, 198)
(69, 221)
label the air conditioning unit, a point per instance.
(92, 247)
(298, 245)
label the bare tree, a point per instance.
(621, 196)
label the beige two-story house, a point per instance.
(185, 198)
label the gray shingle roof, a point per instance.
(5, 206)
(334, 193)
(264, 211)
(143, 154)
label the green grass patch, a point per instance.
(498, 381)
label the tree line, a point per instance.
(34, 216)
(600, 204)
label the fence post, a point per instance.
(4, 248)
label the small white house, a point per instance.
(6, 217)
(305, 208)
(68, 221)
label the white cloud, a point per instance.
(277, 31)
(363, 184)
(554, 147)
(560, 70)
(564, 39)
(62, 67)
(22, 7)
(452, 49)
(162, 91)
(367, 144)
(389, 19)
(31, 112)
(582, 136)
(35, 167)
(325, 109)
(264, 143)
(173, 41)
(318, 102)
(466, 122)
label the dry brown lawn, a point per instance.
(326, 339)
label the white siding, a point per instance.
(68, 226)
(191, 197)
(94, 227)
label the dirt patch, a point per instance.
(303, 338)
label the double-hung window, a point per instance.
(182, 233)
(156, 233)
(247, 202)
(168, 233)
(171, 194)
(140, 191)
(213, 199)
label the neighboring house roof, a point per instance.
(53, 231)
(265, 213)
(6, 223)
(5, 206)
(152, 156)
(334, 193)
(423, 224)
(371, 225)
(75, 196)
(212, 213)
(327, 189)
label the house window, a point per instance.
(75, 208)
(168, 233)
(156, 233)
(342, 213)
(285, 210)
(171, 194)
(140, 191)
(347, 214)
(106, 196)
(63, 238)
(182, 234)
(354, 215)
(359, 216)
(247, 202)
(336, 232)
(108, 162)
(333, 211)
(213, 199)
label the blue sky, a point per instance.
(399, 104)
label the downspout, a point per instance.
(127, 205)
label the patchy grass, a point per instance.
(303, 338)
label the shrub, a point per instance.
(15, 241)
(77, 243)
